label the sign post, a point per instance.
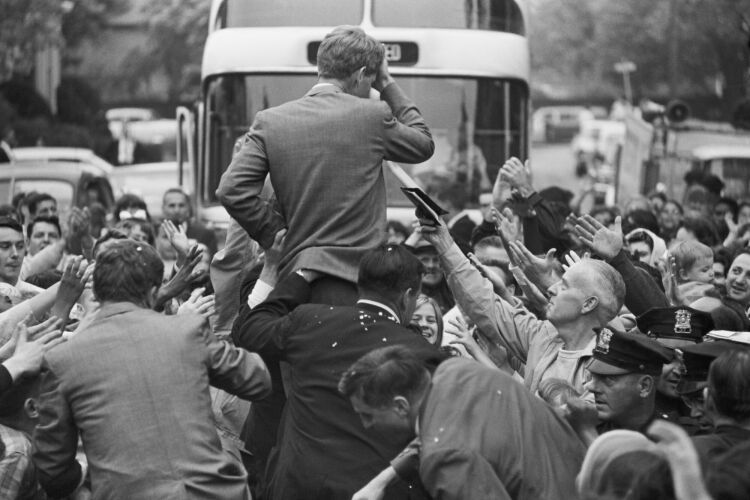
(625, 67)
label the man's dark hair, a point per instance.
(125, 272)
(346, 49)
(388, 271)
(703, 229)
(49, 219)
(11, 223)
(640, 219)
(641, 236)
(382, 374)
(35, 199)
(734, 207)
(9, 211)
(729, 384)
(12, 401)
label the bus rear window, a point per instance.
(495, 15)
(262, 13)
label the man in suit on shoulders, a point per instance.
(323, 451)
(135, 385)
(324, 155)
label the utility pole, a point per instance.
(625, 67)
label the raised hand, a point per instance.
(177, 238)
(436, 234)
(182, 280)
(669, 280)
(573, 258)
(537, 300)
(498, 284)
(506, 224)
(28, 354)
(540, 271)
(603, 241)
(74, 278)
(518, 175)
(198, 304)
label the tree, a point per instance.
(681, 47)
(25, 27)
(85, 18)
(178, 32)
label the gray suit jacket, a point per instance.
(324, 155)
(135, 384)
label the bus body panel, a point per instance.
(442, 52)
(486, 72)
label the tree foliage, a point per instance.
(25, 27)
(86, 18)
(680, 47)
(178, 30)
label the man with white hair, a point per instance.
(589, 295)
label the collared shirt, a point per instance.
(17, 473)
(387, 309)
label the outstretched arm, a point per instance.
(641, 292)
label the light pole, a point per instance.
(626, 67)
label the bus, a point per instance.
(465, 63)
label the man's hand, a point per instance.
(540, 271)
(79, 239)
(28, 354)
(383, 78)
(198, 304)
(271, 259)
(506, 224)
(436, 234)
(182, 280)
(603, 241)
(177, 238)
(518, 175)
(73, 281)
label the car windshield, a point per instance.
(476, 124)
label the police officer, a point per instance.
(675, 328)
(624, 373)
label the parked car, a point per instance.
(117, 116)
(71, 183)
(558, 123)
(45, 154)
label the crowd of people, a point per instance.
(326, 353)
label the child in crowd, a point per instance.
(694, 271)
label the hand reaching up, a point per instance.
(540, 271)
(75, 276)
(177, 238)
(603, 241)
(506, 224)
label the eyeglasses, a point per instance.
(135, 214)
